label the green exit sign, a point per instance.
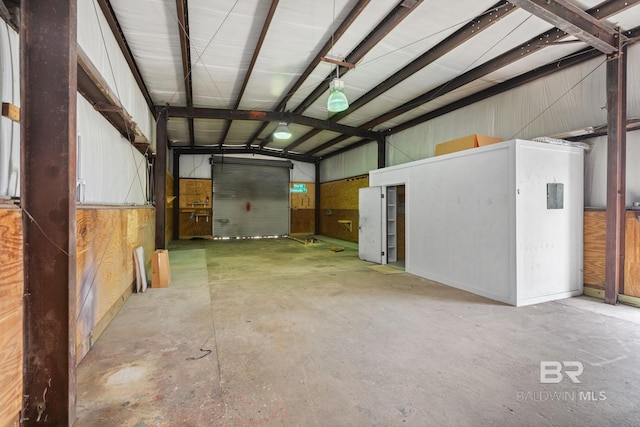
(299, 188)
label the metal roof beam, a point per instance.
(252, 64)
(353, 14)
(185, 49)
(390, 22)
(472, 28)
(545, 70)
(602, 11)
(110, 15)
(267, 116)
(574, 21)
(217, 149)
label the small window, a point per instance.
(555, 196)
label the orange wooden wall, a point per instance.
(11, 291)
(594, 251)
(105, 270)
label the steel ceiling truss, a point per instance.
(182, 9)
(533, 45)
(254, 58)
(472, 28)
(342, 28)
(574, 21)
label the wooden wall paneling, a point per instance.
(594, 248)
(303, 221)
(105, 271)
(632, 254)
(339, 201)
(594, 251)
(196, 216)
(11, 313)
(169, 207)
(302, 207)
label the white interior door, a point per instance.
(370, 228)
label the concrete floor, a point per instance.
(276, 333)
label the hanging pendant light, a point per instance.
(282, 131)
(337, 101)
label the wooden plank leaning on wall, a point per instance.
(11, 290)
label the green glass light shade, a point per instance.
(282, 131)
(337, 101)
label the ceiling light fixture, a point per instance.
(337, 101)
(282, 131)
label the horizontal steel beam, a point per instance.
(268, 116)
(242, 150)
(96, 90)
(602, 11)
(574, 21)
(464, 34)
(335, 36)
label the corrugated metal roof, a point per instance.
(223, 37)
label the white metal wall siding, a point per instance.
(250, 200)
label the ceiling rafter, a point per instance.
(254, 58)
(110, 16)
(602, 11)
(391, 21)
(543, 71)
(185, 48)
(469, 30)
(267, 116)
(344, 25)
(574, 21)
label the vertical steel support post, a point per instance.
(48, 90)
(160, 179)
(318, 212)
(382, 151)
(616, 172)
(176, 193)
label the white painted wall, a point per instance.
(100, 45)
(463, 227)
(113, 171)
(198, 166)
(9, 130)
(352, 163)
(195, 166)
(549, 242)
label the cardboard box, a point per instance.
(465, 143)
(160, 271)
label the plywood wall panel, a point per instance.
(595, 225)
(594, 248)
(11, 290)
(632, 254)
(339, 202)
(169, 208)
(342, 194)
(303, 221)
(302, 207)
(105, 272)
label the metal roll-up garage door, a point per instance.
(250, 197)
